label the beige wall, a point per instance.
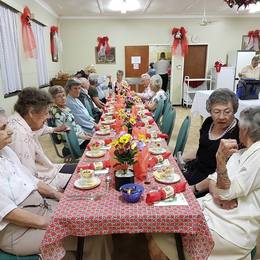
(80, 37)
(28, 66)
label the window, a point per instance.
(41, 59)
(9, 52)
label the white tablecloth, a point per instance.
(199, 104)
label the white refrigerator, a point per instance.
(223, 79)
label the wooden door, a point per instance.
(195, 63)
(135, 71)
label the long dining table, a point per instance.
(109, 214)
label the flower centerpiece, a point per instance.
(130, 122)
(125, 149)
(129, 101)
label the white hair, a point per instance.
(145, 76)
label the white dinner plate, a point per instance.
(95, 153)
(87, 185)
(166, 178)
(157, 150)
(101, 172)
(108, 122)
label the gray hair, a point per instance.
(70, 83)
(156, 81)
(93, 78)
(222, 96)
(145, 76)
(83, 80)
(256, 58)
(56, 89)
(250, 119)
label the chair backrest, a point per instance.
(182, 136)
(54, 137)
(166, 105)
(6, 256)
(158, 111)
(168, 122)
(73, 143)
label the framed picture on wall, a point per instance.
(245, 41)
(102, 58)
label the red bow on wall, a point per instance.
(253, 42)
(179, 41)
(103, 47)
(29, 44)
(54, 47)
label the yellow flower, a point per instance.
(133, 145)
(132, 121)
(124, 139)
(141, 137)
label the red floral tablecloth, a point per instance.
(110, 215)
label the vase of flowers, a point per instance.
(125, 150)
(130, 123)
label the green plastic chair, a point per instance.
(6, 256)
(158, 111)
(167, 104)
(182, 136)
(168, 122)
(253, 253)
(88, 107)
(73, 144)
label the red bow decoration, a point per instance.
(180, 39)
(29, 44)
(219, 65)
(253, 42)
(54, 47)
(103, 47)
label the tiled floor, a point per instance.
(124, 244)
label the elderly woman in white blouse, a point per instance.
(159, 93)
(26, 206)
(232, 209)
(28, 123)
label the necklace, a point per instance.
(227, 130)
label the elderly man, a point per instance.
(148, 93)
(232, 207)
(251, 71)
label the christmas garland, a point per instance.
(240, 3)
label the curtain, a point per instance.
(9, 51)
(41, 59)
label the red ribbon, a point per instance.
(179, 37)
(103, 42)
(29, 44)
(54, 48)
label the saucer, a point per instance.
(157, 150)
(95, 153)
(83, 184)
(103, 132)
(108, 122)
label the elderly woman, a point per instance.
(117, 85)
(26, 206)
(148, 93)
(62, 115)
(81, 114)
(236, 182)
(94, 92)
(159, 94)
(28, 123)
(222, 105)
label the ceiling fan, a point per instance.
(204, 20)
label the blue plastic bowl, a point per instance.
(135, 195)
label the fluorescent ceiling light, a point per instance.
(124, 5)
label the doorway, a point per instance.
(136, 64)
